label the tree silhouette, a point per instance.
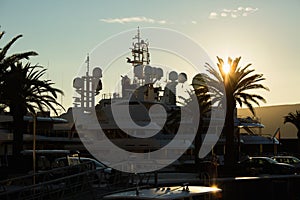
(22, 90)
(238, 81)
(294, 118)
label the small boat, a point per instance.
(169, 192)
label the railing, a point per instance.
(60, 183)
(73, 182)
(84, 182)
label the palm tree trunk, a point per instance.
(298, 145)
(18, 130)
(229, 157)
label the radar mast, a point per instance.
(140, 52)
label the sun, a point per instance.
(226, 68)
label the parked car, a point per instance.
(288, 160)
(264, 165)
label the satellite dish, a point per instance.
(182, 77)
(173, 76)
(97, 72)
(78, 83)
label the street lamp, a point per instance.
(34, 146)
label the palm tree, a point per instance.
(237, 82)
(294, 118)
(22, 91)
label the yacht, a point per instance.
(169, 192)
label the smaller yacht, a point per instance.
(170, 193)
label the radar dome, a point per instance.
(182, 77)
(173, 76)
(78, 83)
(97, 72)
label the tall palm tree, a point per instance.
(22, 91)
(238, 81)
(294, 118)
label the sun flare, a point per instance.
(226, 68)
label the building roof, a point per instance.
(258, 139)
(248, 122)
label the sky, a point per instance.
(264, 33)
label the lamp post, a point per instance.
(34, 146)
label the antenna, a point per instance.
(87, 64)
(47, 76)
(138, 35)
(88, 87)
(61, 96)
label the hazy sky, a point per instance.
(264, 33)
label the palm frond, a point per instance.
(238, 82)
(17, 57)
(7, 46)
(1, 34)
(293, 118)
(29, 90)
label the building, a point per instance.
(273, 119)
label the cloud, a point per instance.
(232, 13)
(133, 20)
(249, 9)
(245, 14)
(213, 15)
(226, 10)
(223, 14)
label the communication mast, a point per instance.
(139, 51)
(145, 75)
(88, 87)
